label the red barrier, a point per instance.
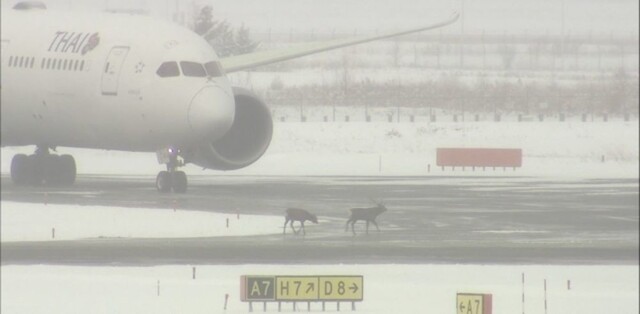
(479, 157)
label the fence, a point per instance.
(430, 115)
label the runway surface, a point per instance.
(492, 220)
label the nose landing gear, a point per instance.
(171, 179)
(168, 180)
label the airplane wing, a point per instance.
(259, 58)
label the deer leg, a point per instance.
(346, 226)
(284, 229)
(303, 232)
(353, 227)
(376, 224)
(293, 228)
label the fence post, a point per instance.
(545, 296)
(522, 293)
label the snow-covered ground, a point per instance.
(551, 149)
(387, 288)
(172, 288)
(52, 222)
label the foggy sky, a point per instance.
(492, 16)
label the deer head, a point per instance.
(380, 205)
(313, 218)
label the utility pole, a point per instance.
(461, 42)
(562, 33)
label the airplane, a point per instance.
(126, 82)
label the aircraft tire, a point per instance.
(67, 172)
(163, 182)
(20, 169)
(52, 169)
(179, 181)
(36, 170)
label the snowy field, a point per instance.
(550, 149)
(172, 288)
(387, 288)
(48, 222)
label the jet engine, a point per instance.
(245, 142)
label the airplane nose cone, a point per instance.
(211, 112)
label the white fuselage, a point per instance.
(91, 81)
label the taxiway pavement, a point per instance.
(489, 220)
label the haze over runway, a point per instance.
(430, 220)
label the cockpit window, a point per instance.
(192, 69)
(214, 69)
(168, 69)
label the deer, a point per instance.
(298, 214)
(367, 214)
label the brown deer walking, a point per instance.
(367, 214)
(298, 214)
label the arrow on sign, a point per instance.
(354, 288)
(461, 307)
(310, 287)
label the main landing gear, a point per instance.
(171, 179)
(43, 168)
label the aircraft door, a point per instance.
(4, 52)
(3, 49)
(112, 69)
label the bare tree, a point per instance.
(220, 34)
(508, 53)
